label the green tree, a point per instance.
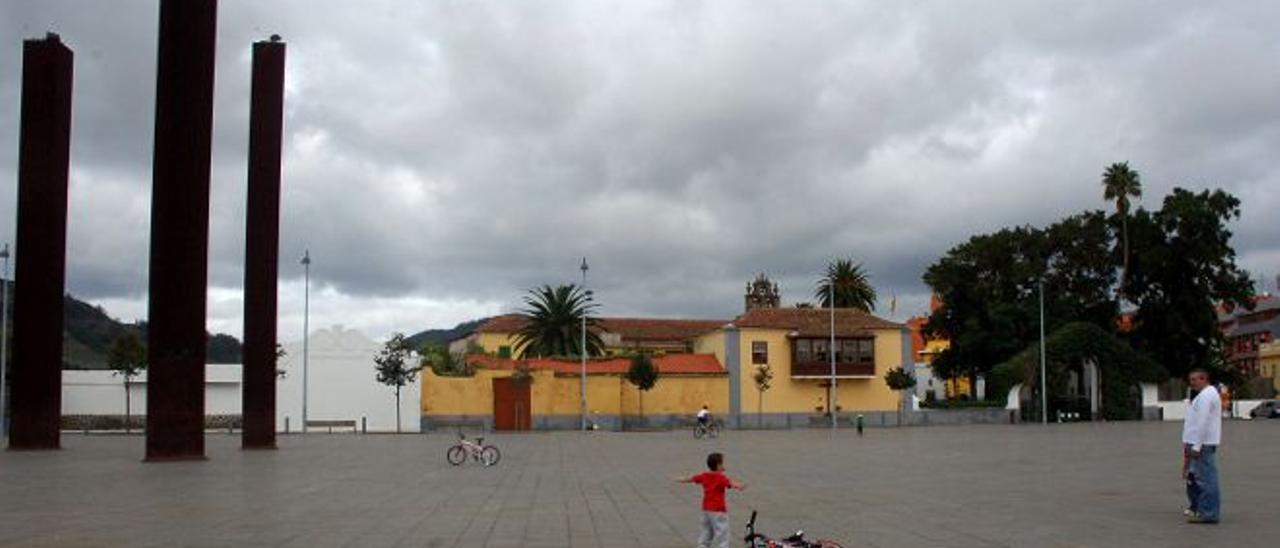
(989, 289)
(444, 363)
(393, 369)
(1183, 268)
(643, 375)
(852, 287)
(763, 379)
(127, 357)
(1119, 183)
(898, 380)
(553, 323)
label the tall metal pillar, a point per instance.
(176, 336)
(262, 246)
(43, 165)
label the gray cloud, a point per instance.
(442, 158)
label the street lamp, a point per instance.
(831, 350)
(306, 328)
(582, 350)
(4, 340)
(1044, 389)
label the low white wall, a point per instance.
(341, 385)
(102, 392)
(1177, 410)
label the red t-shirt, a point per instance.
(713, 486)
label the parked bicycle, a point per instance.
(487, 455)
(710, 428)
(757, 540)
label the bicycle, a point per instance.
(487, 455)
(710, 428)
(757, 540)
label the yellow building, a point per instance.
(701, 362)
(1269, 363)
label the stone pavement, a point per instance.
(1063, 485)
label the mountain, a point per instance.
(443, 336)
(88, 332)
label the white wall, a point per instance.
(102, 392)
(342, 384)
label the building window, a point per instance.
(504, 352)
(759, 352)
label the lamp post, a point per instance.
(582, 350)
(1044, 389)
(4, 342)
(306, 328)
(831, 350)
(583, 347)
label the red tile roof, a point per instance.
(815, 322)
(668, 364)
(629, 329)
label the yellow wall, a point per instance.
(787, 395)
(560, 395)
(1269, 362)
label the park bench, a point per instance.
(331, 424)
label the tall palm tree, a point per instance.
(1120, 183)
(553, 323)
(852, 288)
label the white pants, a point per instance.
(715, 530)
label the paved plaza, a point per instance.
(1063, 485)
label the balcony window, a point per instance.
(853, 357)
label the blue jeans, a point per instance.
(1202, 484)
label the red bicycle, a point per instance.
(757, 540)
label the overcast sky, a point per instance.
(443, 157)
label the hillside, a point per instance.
(88, 332)
(443, 336)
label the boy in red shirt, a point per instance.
(715, 513)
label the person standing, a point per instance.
(1201, 435)
(715, 512)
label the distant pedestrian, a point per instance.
(860, 424)
(1201, 434)
(715, 512)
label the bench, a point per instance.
(330, 424)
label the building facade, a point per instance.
(701, 362)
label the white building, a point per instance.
(342, 385)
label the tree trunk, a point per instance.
(397, 409)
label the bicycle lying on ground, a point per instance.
(711, 428)
(487, 455)
(757, 540)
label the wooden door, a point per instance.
(511, 410)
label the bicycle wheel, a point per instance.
(714, 430)
(698, 431)
(490, 455)
(456, 454)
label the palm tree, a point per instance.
(852, 289)
(1120, 183)
(553, 323)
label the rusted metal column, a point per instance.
(176, 336)
(41, 252)
(262, 246)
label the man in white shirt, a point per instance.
(1201, 434)
(704, 416)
